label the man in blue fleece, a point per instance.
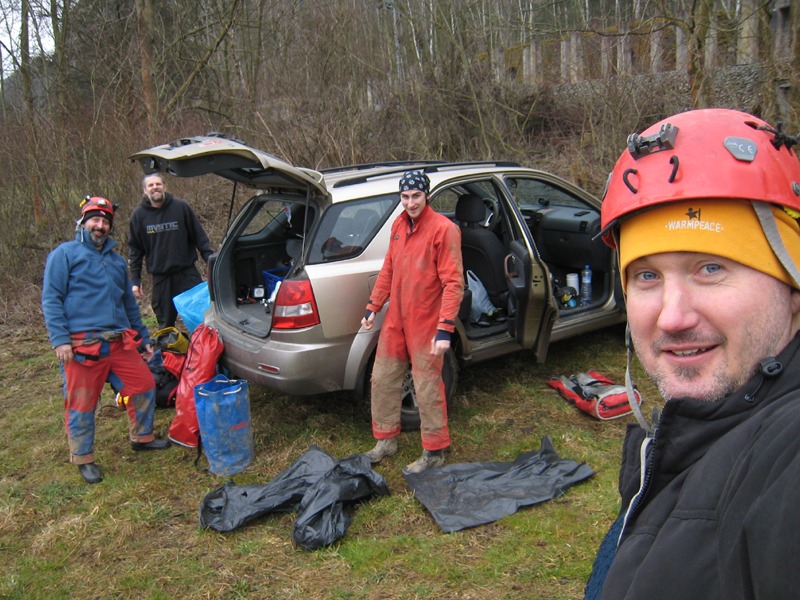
(96, 330)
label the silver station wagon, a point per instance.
(296, 266)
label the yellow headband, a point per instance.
(726, 228)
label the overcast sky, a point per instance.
(9, 35)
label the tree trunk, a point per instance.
(60, 28)
(698, 26)
(747, 51)
(145, 25)
(25, 72)
(794, 77)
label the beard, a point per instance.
(721, 385)
(99, 237)
(706, 387)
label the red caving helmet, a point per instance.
(94, 206)
(709, 153)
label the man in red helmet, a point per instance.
(96, 330)
(423, 276)
(703, 209)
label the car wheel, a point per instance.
(409, 413)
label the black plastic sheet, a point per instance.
(460, 496)
(317, 486)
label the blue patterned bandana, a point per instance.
(415, 180)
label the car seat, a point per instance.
(294, 248)
(482, 251)
(365, 221)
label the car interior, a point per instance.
(563, 228)
(266, 249)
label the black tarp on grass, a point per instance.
(460, 496)
(317, 486)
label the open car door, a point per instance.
(533, 304)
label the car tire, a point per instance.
(409, 412)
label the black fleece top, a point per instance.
(719, 516)
(169, 236)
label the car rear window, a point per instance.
(348, 227)
(276, 222)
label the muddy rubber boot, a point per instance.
(382, 449)
(429, 459)
(91, 473)
(156, 444)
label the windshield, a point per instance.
(348, 227)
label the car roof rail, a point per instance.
(377, 165)
(426, 166)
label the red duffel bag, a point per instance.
(595, 394)
(205, 348)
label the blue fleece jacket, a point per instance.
(86, 289)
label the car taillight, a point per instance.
(295, 306)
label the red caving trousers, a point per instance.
(84, 380)
(397, 347)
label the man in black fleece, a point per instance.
(703, 211)
(165, 231)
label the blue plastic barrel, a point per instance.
(226, 432)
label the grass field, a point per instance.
(136, 534)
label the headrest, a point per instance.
(470, 209)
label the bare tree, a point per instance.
(698, 25)
(793, 97)
(59, 17)
(145, 29)
(29, 110)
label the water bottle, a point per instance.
(586, 286)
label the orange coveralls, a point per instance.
(423, 275)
